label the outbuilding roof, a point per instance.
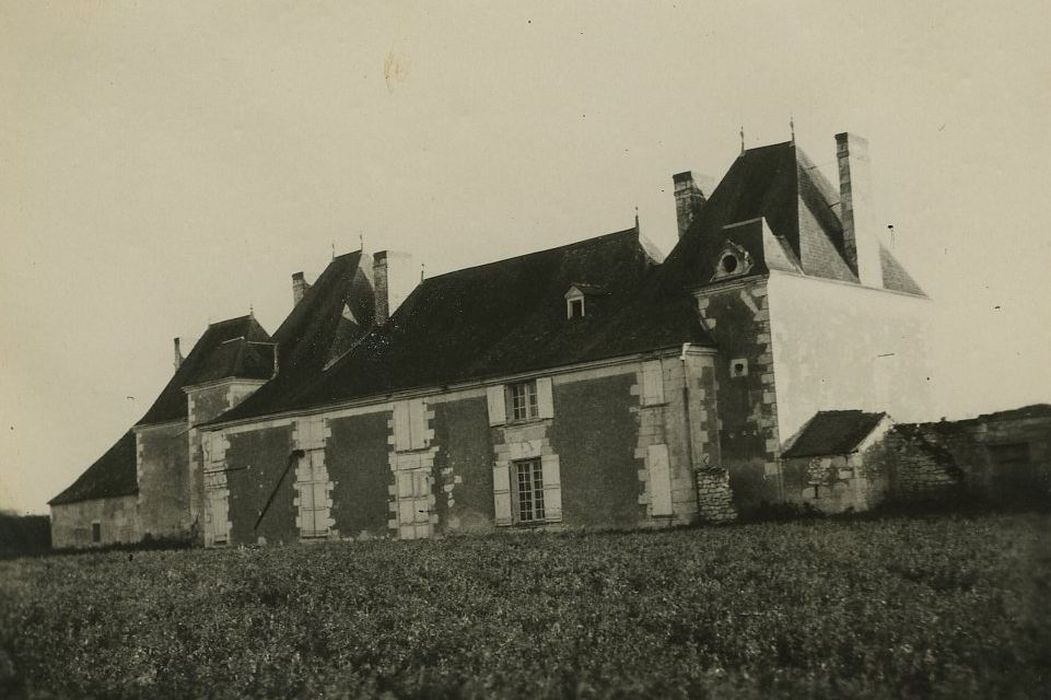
(111, 475)
(833, 433)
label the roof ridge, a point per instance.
(566, 246)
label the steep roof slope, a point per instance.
(833, 433)
(332, 316)
(236, 347)
(112, 474)
(780, 184)
(507, 317)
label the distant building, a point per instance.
(590, 385)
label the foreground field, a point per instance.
(953, 607)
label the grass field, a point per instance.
(954, 607)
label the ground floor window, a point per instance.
(529, 491)
(96, 532)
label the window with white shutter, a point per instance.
(652, 383)
(497, 409)
(502, 494)
(410, 425)
(552, 488)
(660, 479)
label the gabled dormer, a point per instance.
(581, 298)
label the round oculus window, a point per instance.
(729, 264)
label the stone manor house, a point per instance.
(592, 385)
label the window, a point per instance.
(523, 400)
(576, 308)
(520, 401)
(96, 532)
(739, 367)
(529, 491)
(729, 264)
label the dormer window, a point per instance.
(733, 261)
(576, 299)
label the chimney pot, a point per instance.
(178, 354)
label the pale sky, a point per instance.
(163, 165)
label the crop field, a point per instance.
(950, 606)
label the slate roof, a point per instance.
(333, 315)
(237, 347)
(779, 183)
(502, 318)
(833, 433)
(112, 474)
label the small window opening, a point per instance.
(529, 482)
(729, 264)
(739, 368)
(576, 308)
(96, 532)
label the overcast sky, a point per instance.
(163, 165)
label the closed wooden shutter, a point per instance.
(402, 427)
(660, 480)
(545, 404)
(652, 383)
(497, 407)
(552, 474)
(418, 424)
(218, 513)
(502, 494)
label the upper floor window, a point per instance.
(522, 400)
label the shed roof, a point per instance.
(833, 433)
(111, 475)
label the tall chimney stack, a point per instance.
(688, 200)
(380, 287)
(860, 238)
(393, 279)
(178, 355)
(299, 287)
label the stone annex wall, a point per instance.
(899, 467)
(1003, 456)
(714, 499)
(118, 520)
(619, 441)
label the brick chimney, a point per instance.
(393, 279)
(860, 241)
(178, 354)
(688, 200)
(299, 287)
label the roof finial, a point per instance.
(251, 310)
(333, 250)
(742, 138)
(361, 241)
(422, 270)
(792, 126)
(636, 218)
